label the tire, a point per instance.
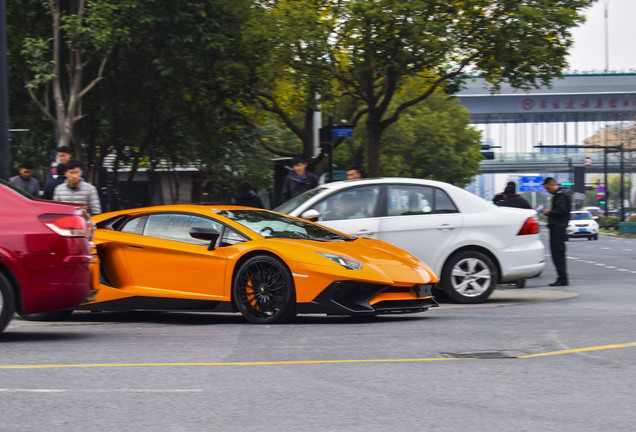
(595, 236)
(7, 302)
(469, 277)
(47, 316)
(263, 291)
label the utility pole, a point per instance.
(5, 149)
(605, 3)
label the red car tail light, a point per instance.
(68, 225)
(530, 226)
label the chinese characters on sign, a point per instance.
(557, 104)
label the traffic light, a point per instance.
(486, 152)
(579, 179)
(600, 198)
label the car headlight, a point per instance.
(346, 262)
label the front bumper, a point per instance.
(358, 299)
(582, 231)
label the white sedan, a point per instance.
(582, 224)
(471, 243)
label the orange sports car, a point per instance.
(266, 265)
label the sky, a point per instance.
(588, 52)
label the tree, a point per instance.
(83, 32)
(432, 140)
(170, 93)
(374, 49)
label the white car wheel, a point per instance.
(469, 277)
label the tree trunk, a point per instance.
(374, 135)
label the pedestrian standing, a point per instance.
(498, 198)
(24, 179)
(558, 217)
(248, 197)
(63, 156)
(512, 199)
(76, 190)
(59, 178)
(353, 173)
(299, 180)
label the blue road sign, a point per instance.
(342, 132)
(531, 184)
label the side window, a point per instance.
(134, 226)
(354, 203)
(443, 203)
(231, 237)
(409, 200)
(175, 226)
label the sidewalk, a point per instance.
(515, 296)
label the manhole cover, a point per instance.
(480, 355)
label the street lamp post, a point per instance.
(5, 153)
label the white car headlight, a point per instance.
(346, 262)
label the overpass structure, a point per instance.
(556, 116)
(573, 98)
(594, 163)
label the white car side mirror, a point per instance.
(311, 215)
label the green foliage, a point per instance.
(375, 49)
(609, 222)
(432, 140)
(37, 56)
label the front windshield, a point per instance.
(289, 206)
(581, 216)
(269, 224)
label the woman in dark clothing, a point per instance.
(247, 197)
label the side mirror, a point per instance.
(311, 215)
(205, 233)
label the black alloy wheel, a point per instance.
(264, 292)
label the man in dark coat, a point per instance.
(512, 199)
(558, 218)
(299, 180)
(49, 186)
(498, 199)
(248, 197)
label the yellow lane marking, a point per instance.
(301, 362)
(578, 350)
(269, 363)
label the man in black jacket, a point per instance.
(558, 217)
(299, 180)
(512, 199)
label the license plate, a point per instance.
(424, 291)
(582, 230)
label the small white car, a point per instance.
(469, 242)
(582, 224)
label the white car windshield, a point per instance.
(581, 216)
(290, 205)
(269, 224)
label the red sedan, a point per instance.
(46, 254)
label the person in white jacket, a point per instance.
(76, 190)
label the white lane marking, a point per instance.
(18, 390)
(609, 267)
